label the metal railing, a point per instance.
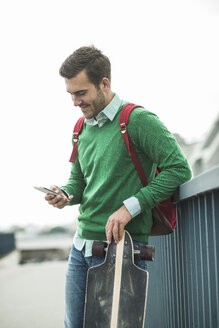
(184, 278)
(7, 243)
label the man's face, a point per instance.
(84, 94)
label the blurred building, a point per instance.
(202, 155)
(7, 243)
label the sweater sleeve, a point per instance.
(160, 146)
(76, 184)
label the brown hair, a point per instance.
(89, 59)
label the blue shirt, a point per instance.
(132, 203)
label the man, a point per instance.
(103, 178)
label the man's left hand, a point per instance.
(116, 223)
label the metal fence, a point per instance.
(183, 280)
(7, 243)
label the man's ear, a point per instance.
(105, 83)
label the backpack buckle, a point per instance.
(123, 127)
(75, 136)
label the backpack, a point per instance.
(164, 214)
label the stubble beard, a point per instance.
(99, 103)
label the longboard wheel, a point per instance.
(99, 249)
(147, 252)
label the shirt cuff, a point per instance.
(133, 206)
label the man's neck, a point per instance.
(109, 98)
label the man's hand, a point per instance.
(116, 223)
(58, 201)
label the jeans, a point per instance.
(75, 286)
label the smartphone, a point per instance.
(48, 191)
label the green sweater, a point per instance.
(104, 175)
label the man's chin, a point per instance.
(87, 115)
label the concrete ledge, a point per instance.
(11, 259)
(204, 182)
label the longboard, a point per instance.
(116, 293)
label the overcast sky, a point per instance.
(164, 56)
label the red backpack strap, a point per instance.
(123, 122)
(77, 130)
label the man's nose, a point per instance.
(76, 100)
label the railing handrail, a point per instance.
(204, 182)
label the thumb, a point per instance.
(55, 188)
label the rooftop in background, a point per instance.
(202, 155)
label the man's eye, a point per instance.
(81, 93)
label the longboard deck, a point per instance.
(116, 290)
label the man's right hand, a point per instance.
(58, 201)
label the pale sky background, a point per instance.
(164, 56)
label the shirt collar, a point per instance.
(112, 108)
